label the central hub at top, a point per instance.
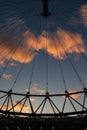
(45, 11)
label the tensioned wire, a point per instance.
(9, 16)
(63, 12)
(34, 60)
(31, 75)
(9, 31)
(14, 15)
(33, 63)
(61, 70)
(79, 48)
(59, 62)
(10, 58)
(56, 49)
(46, 55)
(73, 66)
(13, 53)
(60, 66)
(4, 37)
(76, 15)
(32, 70)
(47, 72)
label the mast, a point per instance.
(45, 9)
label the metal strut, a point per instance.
(45, 11)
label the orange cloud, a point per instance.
(10, 50)
(26, 108)
(2, 62)
(83, 11)
(50, 42)
(65, 42)
(7, 76)
(56, 43)
(37, 90)
(18, 107)
(75, 96)
(32, 99)
(5, 107)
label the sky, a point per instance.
(51, 46)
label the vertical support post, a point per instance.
(31, 106)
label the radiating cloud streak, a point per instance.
(55, 44)
(83, 11)
(9, 50)
(7, 76)
(66, 42)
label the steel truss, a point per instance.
(7, 105)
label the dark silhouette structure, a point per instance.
(10, 118)
(13, 115)
(45, 8)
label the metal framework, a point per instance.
(49, 108)
(10, 109)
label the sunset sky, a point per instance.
(28, 39)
